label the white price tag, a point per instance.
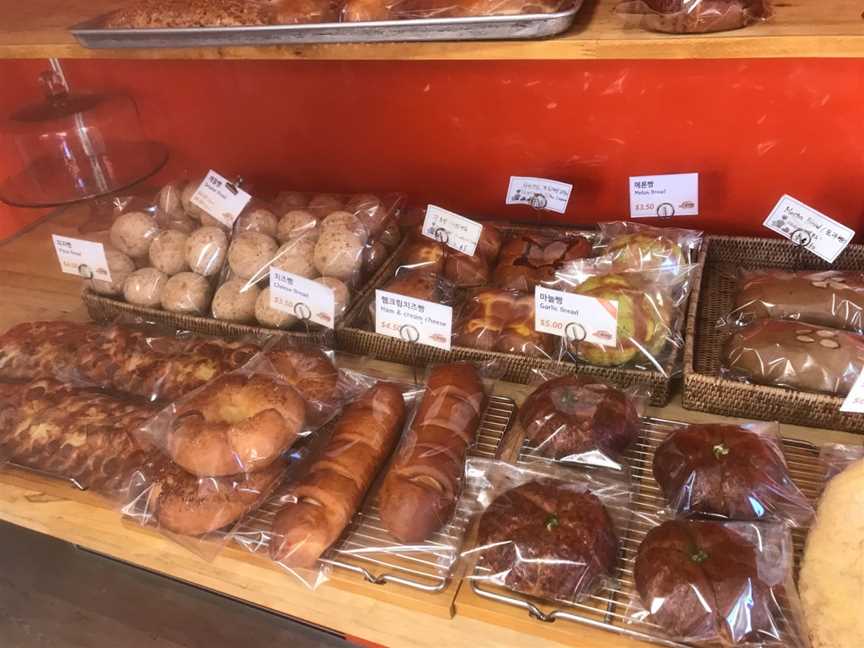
(221, 199)
(540, 193)
(301, 297)
(413, 320)
(824, 237)
(455, 231)
(577, 318)
(83, 258)
(662, 196)
(854, 402)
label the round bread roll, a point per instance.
(189, 189)
(206, 248)
(133, 232)
(181, 222)
(250, 253)
(288, 200)
(186, 292)
(296, 256)
(341, 294)
(208, 221)
(235, 301)
(120, 266)
(338, 253)
(370, 211)
(257, 220)
(144, 287)
(168, 252)
(269, 316)
(169, 200)
(324, 204)
(296, 223)
(343, 220)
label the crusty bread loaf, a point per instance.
(420, 490)
(832, 573)
(149, 14)
(325, 499)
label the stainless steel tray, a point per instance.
(368, 550)
(606, 608)
(521, 27)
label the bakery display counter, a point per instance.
(833, 28)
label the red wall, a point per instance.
(453, 132)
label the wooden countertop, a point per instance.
(32, 287)
(800, 28)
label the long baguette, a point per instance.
(327, 497)
(420, 490)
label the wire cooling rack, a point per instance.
(367, 549)
(607, 608)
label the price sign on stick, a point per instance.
(539, 193)
(83, 258)
(664, 196)
(455, 231)
(413, 320)
(577, 318)
(305, 299)
(808, 228)
(221, 199)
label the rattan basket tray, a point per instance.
(704, 388)
(102, 309)
(355, 336)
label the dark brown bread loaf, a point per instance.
(701, 580)
(572, 415)
(727, 471)
(548, 539)
(792, 354)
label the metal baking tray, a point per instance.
(365, 547)
(521, 27)
(606, 608)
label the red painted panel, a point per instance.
(453, 132)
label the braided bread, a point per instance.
(330, 493)
(78, 434)
(420, 490)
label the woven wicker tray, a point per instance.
(713, 297)
(355, 336)
(103, 309)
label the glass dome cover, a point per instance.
(73, 147)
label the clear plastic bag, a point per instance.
(495, 319)
(581, 419)
(693, 16)
(313, 508)
(337, 241)
(830, 298)
(732, 472)
(792, 354)
(531, 258)
(625, 246)
(729, 583)
(146, 361)
(650, 317)
(545, 530)
(75, 433)
(831, 579)
(428, 251)
(408, 9)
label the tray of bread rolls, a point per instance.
(608, 608)
(135, 28)
(365, 546)
(526, 351)
(789, 371)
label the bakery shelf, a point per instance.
(800, 28)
